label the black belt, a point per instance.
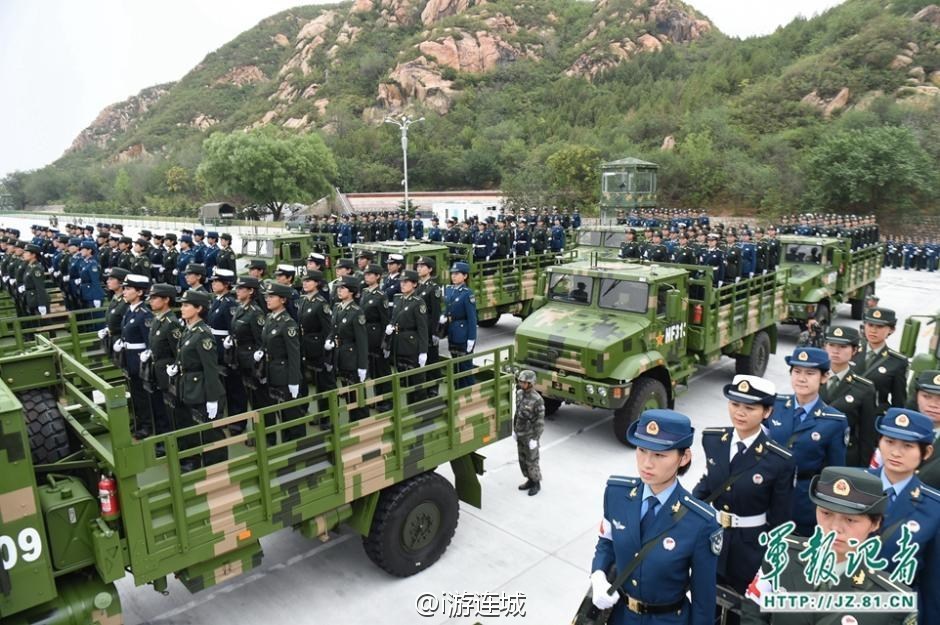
(806, 475)
(638, 607)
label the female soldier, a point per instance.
(851, 503)
(660, 540)
(280, 350)
(245, 339)
(316, 323)
(115, 312)
(906, 442)
(163, 343)
(200, 388)
(132, 341)
(748, 477)
(375, 307)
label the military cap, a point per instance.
(199, 232)
(88, 228)
(137, 281)
(661, 430)
(928, 381)
(451, 220)
(32, 247)
(526, 375)
(373, 268)
(350, 282)
(285, 270)
(257, 263)
(880, 317)
(186, 231)
(346, 263)
(163, 290)
(842, 335)
(461, 267)
(62, 238)
(281, 290)
(127, 240)
(118, 226)
(226, 236)
(145, 233)
(809, 358)
(313, 275)
(114, 237)
(427, 261)
(118, 273)
(196, 268)
(320, 259)
(212, 235)
(223, 275)
(848, 490)
(395, 258)
(410, 276)
(247, 282)
(906, 425)
(435, 219)
(101, 235)
(86, 244)
(365, 254)
(196, 298)
(751, 389)
(712, 235)
(158, 236)
(142, 242)
(170, 236)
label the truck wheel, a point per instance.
(48, 435)
(858, 305)
(646, 394)
(488, 323)
(413, 524)
(551, 405)
(754, 363)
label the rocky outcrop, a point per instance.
(669, 144)
(479, 52)
(241, 76)
(133, 153)
(929, 15)
(118, 118)
(203, 122)
(828, 106)
(418, 80)
(347, 35)
(436, 10)
(297, 123)
(311, 36)
(281, 40)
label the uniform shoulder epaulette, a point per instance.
(700, 507)
(796, 543)
(880, 579)
(929, 490)
(897, 354)
(862, 379)
(620, 480)
(831, 413)
(782, 397)
(771, 445)
(715, 431)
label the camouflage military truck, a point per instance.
(826, 272)
(507, 285)
(601, 241)
(623, 336)
(82, 504)
(291, 249)
(924, 361)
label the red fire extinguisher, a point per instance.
(107, 495)
(697, 312)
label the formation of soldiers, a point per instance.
(918, 254)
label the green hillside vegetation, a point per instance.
(744, 138)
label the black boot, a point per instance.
(528, 484)
(535, 489)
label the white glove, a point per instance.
(77, 280)
(97, 303)
(228, 342)
(442, 319)
(362, 374)
(422, 359)
(389, 329)
(435, 340)
(212, 409)
(599, 588)
(386, 353)
(118, 346)
(21, 288)
(259, 355)
(176, 272)
(470, 345)
(533, 444)
(515, 436)
(329, 345)
(145, 355)
(103, 332)
(294, 390)
(172, 370)
(43, 310)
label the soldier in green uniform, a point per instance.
(170, 257)
(140, 258)
(348, 341)
(196, 375)
(363, 260)
(316, 323)
(408, 332)
(852, 503)
(927, 400)
(244, 340)
(196, 277)
(280, 351)
(374, 304)
(432, 294)
(527, 427)
(344, 267)
(256, 269)
(164, 338)
(851, 394)
(115, 312)
(226, 256)
(886, 368)
(34, 282)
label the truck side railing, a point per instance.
(861, 267)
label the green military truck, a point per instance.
(290, 249)
(826, 272)
(601, 241)
(82, 503)
(623, 336)
(925, 361)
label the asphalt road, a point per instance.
(539, 546)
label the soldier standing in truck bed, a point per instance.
(316, 323)
(408, 333)
(280, 351)
(130, 344)
(34, 282)
(349, 343)
(163, 345)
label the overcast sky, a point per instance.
(65, 60)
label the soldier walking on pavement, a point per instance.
(349, 344)
(408, 333)
(280, 351)
(886, 368)
(461, 319)
(851, 394)
(527, 426)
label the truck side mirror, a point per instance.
(673, 305)
(909, 337)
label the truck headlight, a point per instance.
(589, 388)
(602, 391)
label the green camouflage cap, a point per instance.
(842, 335)
(880, 316)
(848, 490)
(928, 381)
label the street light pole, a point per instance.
(403, 125)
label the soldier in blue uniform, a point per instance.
(90, 277)
(576, 219)
(212, 252)
(556, 241)
(714, 257)
(522, 240)
(748, 478)
(401, 228)
(461, 319)
(653, 531)
(907, 440)
(814, 432)
(134, 339)
(185, 257)
(391, 284)
(435, 234)
(483, 243)
(199, 247)
(220, 318)
(344, 237)
(748, 254)
(417, 228)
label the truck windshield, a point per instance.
(567, 288)
(590, 238)
(803, 253)
(257, 247)
(624, 295)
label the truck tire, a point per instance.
(858, 305)
(647, 393)
(413, 524)
(551, 405)
(489, 323)
(754, 363)
(48, 434)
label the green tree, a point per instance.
(704, 167)
(268, 167)
(869, 169)
(177, 179)
(123, 192)
(573, 172)
(13, 187)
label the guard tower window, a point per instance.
(618, 182)
(643, 182)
